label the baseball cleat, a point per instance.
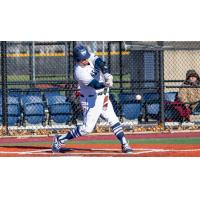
(126, 148)
(56, 146)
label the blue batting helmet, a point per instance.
(80, 53)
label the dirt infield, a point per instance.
(144, 145)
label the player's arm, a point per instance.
(96, 84)
(100, 65)
(88, 80)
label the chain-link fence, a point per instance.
(39, 93)
(181, 62)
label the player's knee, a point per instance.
(113, 122)
(84, 130)
(88, 130)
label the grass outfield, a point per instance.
(145, 141)
(192, 140)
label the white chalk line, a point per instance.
(45, 150)
(26, 152)
(141, 151)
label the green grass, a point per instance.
(44, 78)
(15, 78)
(54, 77)
(145, 141)
(125, 77)
(18, 78)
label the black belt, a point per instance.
(92, 95)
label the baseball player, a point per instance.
(92, 76)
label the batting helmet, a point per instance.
(80, 53)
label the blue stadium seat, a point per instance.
(130, 107)
(28, 99)
(14, 115)
(151, 97)
(197, 110)
(151, 104)
(55, 99)
(13, 100)
(131, 111)
(59, 109)
(153, 110)
(114, 103)
(15, 92)
(33, 110)
(50, 93)
(170, 96)
(33, 92)
(34, 113)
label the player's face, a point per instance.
(84, 62)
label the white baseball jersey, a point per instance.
(84, 75)
(93, 105)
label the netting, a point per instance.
(42, 95)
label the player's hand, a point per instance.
(109, 80)
(107, 84)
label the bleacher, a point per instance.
(36, 107)
(50, 107)
(149, 108)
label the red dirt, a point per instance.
(103, 150)
(102, 137)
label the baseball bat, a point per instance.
(106, 99)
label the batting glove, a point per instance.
(108, 80)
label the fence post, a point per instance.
(30, 62)
(73, 60)
(103, 50)
(66, 47)
(67, 58)
(32, 75)
(109, 55)
(4, 87)
(33, 61)
(120, 67)
(162, 86)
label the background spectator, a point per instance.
(190, 95)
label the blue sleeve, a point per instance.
(101, 65)
(96, 85)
